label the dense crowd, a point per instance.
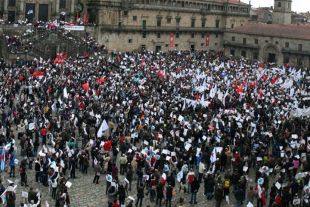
(173, 124)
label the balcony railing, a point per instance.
(127, 28)
(297, 52)
(235, 44)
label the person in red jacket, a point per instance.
(115, 204)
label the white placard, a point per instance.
(68, 184)
(24, 194)
(187, 146)
(31, 126)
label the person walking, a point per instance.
(159, 194)
(194, 190)
(169, 194)
(140, 195)
(218, 195)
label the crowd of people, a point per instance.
(24, 43)
(166, 126)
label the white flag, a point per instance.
(180, 176)
(66, 95)
(104, 126)
(30, 12)
(213, 155)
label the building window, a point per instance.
(203, 23)
(266, 41)
(176, 45)
(287, 45)
(166, 45)
(244, 41)
(255, 55)
(201, 44)
(177, 21)
(177, 35)
(202, 35)
(217, 23)
(158, 35)
(233, 38)
(193, 35)
(193, 22)
(129, 40)
(279, 4)
(277, 42)
(232, 52)
(299, 47)
(11, 16)
(243, 53)
(169, 20)
(232, 26)
(134, 18)
(256, 41)
(125, 13)
(299, 61)
(215, 44)
(143, 34)
(62, 4)
(158, 22)
(12, 3)
(286, 59)
(144, 24)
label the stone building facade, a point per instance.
(164, 25)
(282, 12)
(270, 42)
(43, 10)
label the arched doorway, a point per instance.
(271, 53)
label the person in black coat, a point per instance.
(121, 194)
(194, 190)
(159, 194)
(209, 184)
(169, 194)
(218, 195)
(140, 194)
(239, 195)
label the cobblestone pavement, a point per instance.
(84, 193)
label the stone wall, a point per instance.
(286, 50)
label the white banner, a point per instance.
(74, 28)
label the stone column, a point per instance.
(22, 10)
(57, 7)
(72, 6)
(5, 10)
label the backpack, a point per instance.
(227, 184)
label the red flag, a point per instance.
(161, 74)
(100, 80)
(239, 89)
(171, 40)
(207, 39)
(265, 77)
(85, 18)
(261, 65)
(260, 92)
(85, 86)
(20, 77)
(252, 85)
(37, 74)
(274, 79)
(60, 58)
(64, 56)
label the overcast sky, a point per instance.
(297, 5)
